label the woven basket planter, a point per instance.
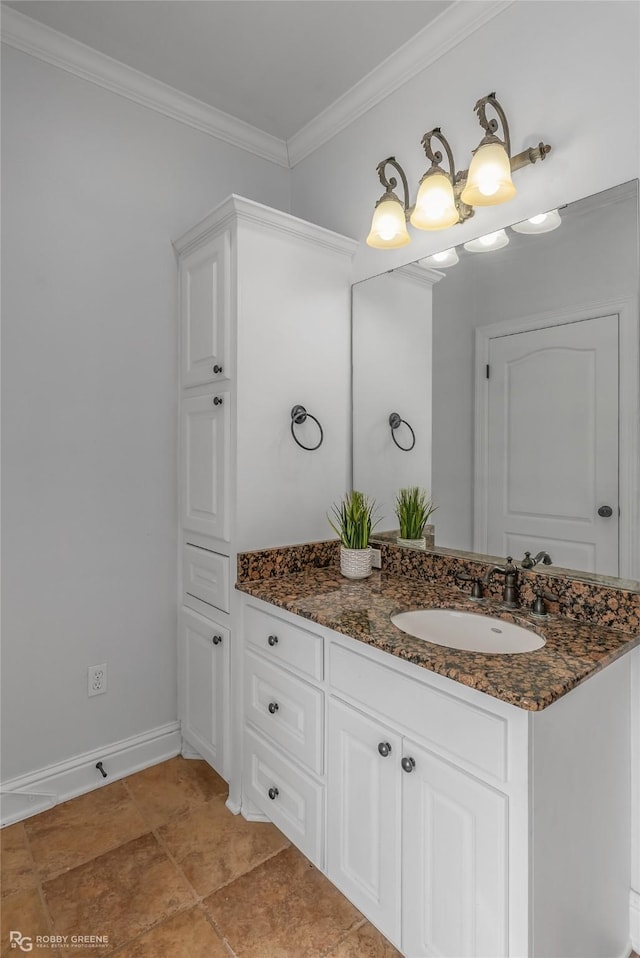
(355, 563)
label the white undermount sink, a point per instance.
(469, 631)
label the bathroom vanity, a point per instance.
(468, 804)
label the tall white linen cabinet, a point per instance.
(264, 326)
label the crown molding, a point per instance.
(27, 35)
(242, 209)
(439, 37)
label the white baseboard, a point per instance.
(634, 920)
(187, 751)
(29, 794)
(233, 806)
(251, 812)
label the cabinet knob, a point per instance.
(273, 707)
(217, 639)
(384, 748)
(272, 640)
(217, 368)
(408, 764)
(217, 400)
(273, 793)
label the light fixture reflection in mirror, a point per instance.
(488, 242)
(542, 223)
(447, 257)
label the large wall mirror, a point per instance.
(507, 385)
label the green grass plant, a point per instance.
(413, 508)
(354, 520)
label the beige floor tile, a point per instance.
(16, 866)
(24, 913)
(186, 935)
(77, 831)
(213, 846)
(365, 942)
(173, 788)
(284, 909)
(120, 894)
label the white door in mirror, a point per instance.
(468, 631)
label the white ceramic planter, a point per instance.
(414, 543)
(355, 563)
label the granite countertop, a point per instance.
(361, 609)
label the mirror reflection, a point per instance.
(502, 377)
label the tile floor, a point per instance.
(158, 863)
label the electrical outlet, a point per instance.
(376, 558)
(96, 679)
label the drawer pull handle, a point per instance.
(384, 748)
(273, 793)
(408, 764)
(217, 368)
(272, 640)
(273, 707)
(217, 400)
(217, 639)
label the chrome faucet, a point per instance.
(510, 593)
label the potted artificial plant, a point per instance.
(353, 524)
(413, 508)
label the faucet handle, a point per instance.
(539, 607)
(527, 562)
(477, 590)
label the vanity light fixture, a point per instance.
(447, 257)
(488, 242)
(446, 197)
(542, 223)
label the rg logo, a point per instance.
(18, 940)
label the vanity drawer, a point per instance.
(297, 804)
(458, 730)
(205, 576)
(296, 648)
(287, 710)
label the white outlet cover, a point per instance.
(96, 679)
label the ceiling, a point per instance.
(274, 64)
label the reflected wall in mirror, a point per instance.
(517, 371)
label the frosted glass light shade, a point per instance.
(542, 223)
(488, 242)
(388, 226)
(435, 207)
(489, 178)
(447, 257)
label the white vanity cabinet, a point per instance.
(204, 667)
(461, 826)
(416, 840)
(264, 313)
(283, 741)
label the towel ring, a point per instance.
(394, 422)
(299, 415)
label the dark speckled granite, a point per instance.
(574, 650)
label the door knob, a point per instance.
(605, 512)
(273, 707)
(272, 640)
(217, 368)
(217, 400)
(217, 639)
(384, 748)
(408, 764)
(273, 793)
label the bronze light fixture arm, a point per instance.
(391, 183)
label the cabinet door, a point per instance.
(205, 312)
(205, 464)
(363, 823)
(204, 654)
(454, 875)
